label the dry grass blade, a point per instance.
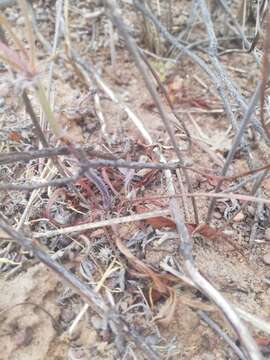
(167, 311)
(30, 34)
(98, 224)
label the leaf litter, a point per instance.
(119, 260)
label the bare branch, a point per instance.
(8, 158)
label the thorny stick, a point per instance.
(40, 185)
(237, 26)
(109, 160)
(133, 49)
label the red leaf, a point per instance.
(15, 136)
(157, 222)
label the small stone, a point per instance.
(20, 21)
(239, 217)
(266, 258)
(2, 102)
(267, 234)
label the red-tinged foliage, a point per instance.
(15, 136)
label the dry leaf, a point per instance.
(15, 136)
(139, 265)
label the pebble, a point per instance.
(267, 234)
(20, 21)
(2, 102)
(239, 217)
(266, 258)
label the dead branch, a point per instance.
(8, 158)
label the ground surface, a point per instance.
(36, 308)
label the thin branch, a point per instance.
(8, 158)
(258, 323)
(39, 185)
(241, 330)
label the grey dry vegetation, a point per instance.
(98, 180)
